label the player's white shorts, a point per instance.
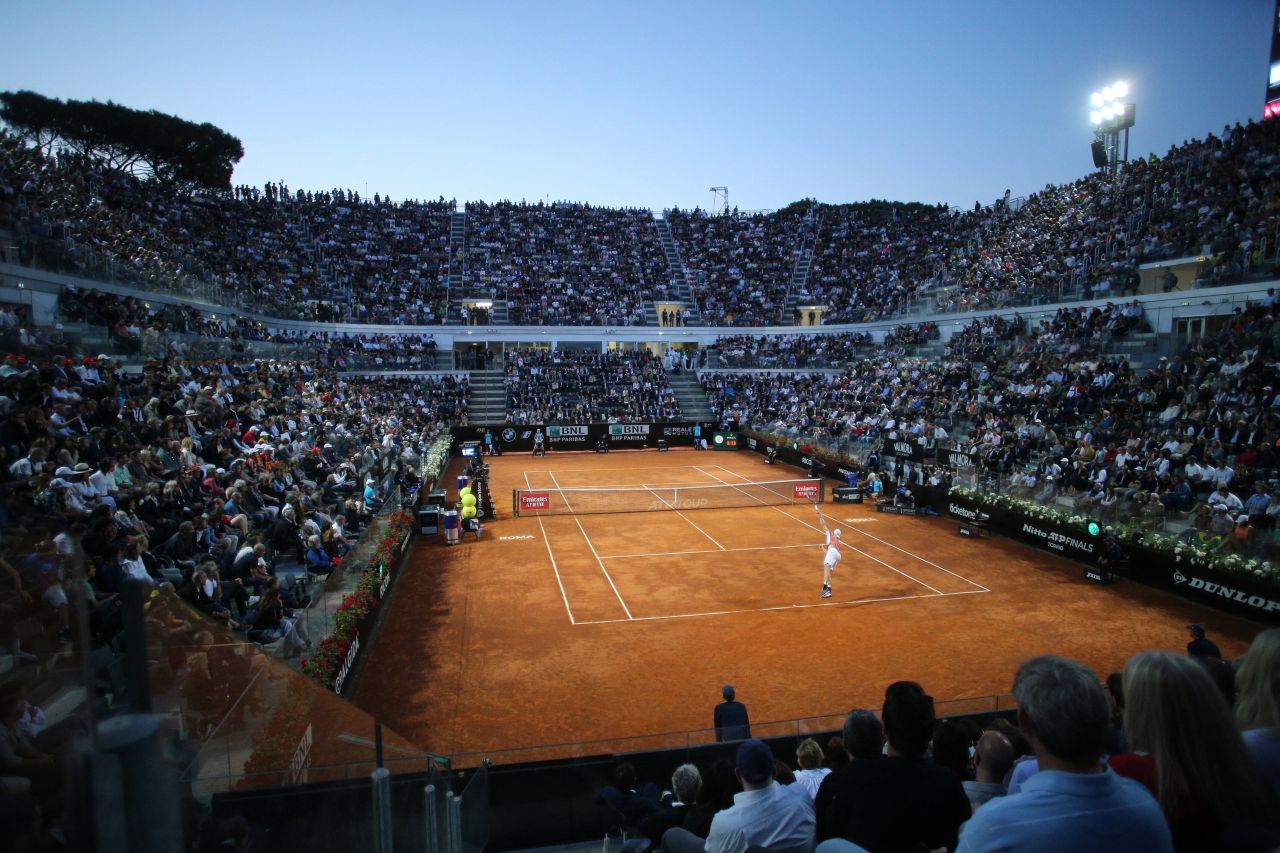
(833, 557)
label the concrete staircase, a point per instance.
(693, 400)
(488, 398)
(799, 279)
(675, 269)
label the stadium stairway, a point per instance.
(487, 401)
(675, 271)
(799, 280)
(693, 400)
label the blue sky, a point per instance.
(650, 104)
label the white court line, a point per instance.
(547, 541)
(921, 559)
(727, 550)
(819, 530)
(672, 507)
(599, 562)
(783, 607)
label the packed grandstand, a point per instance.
(228, 445)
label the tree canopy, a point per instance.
(146, 143)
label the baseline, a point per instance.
(818, 529)
(784, 607)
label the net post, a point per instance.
(822, 491)
(515, 503)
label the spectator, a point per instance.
(901, 801)
(1258, 706)
(811, 772)
(686, 784)
(992, 760)
(1211, 792)
(1068, 805)
(765, 814)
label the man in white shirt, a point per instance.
(765, 814)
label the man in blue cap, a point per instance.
(765, 814)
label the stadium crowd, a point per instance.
(556, 386)
(1176, 752)
(564, 264)
(740, 265)
(791, 351)
(333, 256)
(1057, 421)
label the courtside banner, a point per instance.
(518, 438)
(807, 491)
(534, 501)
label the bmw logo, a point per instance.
(508, 434)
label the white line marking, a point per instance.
(727, 550)
(672, 506)
(786, 607)
(592, 468)
(921, 559)
(547, 540)
(599, 562)
(819, 530)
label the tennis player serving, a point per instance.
(832, 558)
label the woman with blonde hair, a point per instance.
(1258, 703)
(811, 773)
(1211, 792)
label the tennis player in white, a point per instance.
(830, 561)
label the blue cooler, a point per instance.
(463, 481)
(452, 527)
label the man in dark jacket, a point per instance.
(731, 721)
(902, 801)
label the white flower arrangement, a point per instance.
(1192, 553)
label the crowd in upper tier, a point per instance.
(333, 255)
(564, 265)
(551, 386)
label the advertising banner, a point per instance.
(511, 438)
(534, 501)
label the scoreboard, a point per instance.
(1271, 107)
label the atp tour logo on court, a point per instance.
(535, 500)
(805, 491)
(566, 432)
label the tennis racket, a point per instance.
(822, 519)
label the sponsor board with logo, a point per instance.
(585, 437)
(1226, 591)
(806, 491)
(534, 501)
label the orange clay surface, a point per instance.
(619, 629)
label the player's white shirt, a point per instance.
(833, 550)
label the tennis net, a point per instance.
(600, 499)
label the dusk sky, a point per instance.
(650, 104)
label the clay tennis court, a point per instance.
(585, 632)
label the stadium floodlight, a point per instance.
(1110, 115)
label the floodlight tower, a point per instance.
(719, 199)
(1111, 117)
